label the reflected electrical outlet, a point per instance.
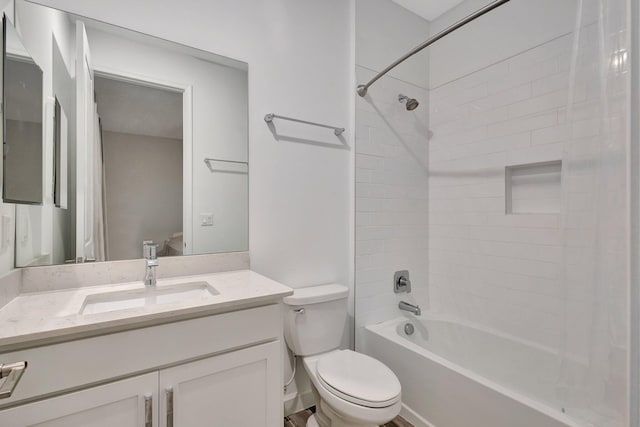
(206, 220)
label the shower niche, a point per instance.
(533, 188)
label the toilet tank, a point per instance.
(315, 318)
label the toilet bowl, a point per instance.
(354, 389)
(351, 389)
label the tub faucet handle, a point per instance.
(401, 282)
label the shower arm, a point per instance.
(362, 89)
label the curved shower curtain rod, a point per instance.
(362, 89)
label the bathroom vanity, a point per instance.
(122, 355)
(133, 142)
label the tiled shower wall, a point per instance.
(502, 271)
(391, 197)
(431, 196)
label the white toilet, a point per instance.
(351, 389)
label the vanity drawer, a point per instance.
(76, 364)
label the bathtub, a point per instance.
(455, 375)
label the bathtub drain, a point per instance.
(408, 328)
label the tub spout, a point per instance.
(415, 309)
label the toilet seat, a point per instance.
(358, 379)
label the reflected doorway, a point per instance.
(141, 179)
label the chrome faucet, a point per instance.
(151, 258)
(415, 309)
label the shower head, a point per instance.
(410, 103)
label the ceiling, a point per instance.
(139, 110)
(428, 9)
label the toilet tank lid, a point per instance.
(316, 294)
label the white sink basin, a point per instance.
(152, 295)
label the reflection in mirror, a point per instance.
(138, 117)
(141, 137)
(64, 95)
(22, 115)
(60, 156)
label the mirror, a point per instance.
(22, 122)
(144, 139)
(64, 96)
(60, 142)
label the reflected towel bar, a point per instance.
(269, 118)
(211, 159)
(208, 161)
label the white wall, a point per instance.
(386, 31)
(7, 211)
(499, 96)
(391, 163)
(499, 270)
(634, 196)
(537, 277)
(484, 114)
(24, 168)
(503, 32)
(299, 55)
(134, 165)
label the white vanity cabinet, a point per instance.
(233, 389)
(221, 370)
(239, 388)
(121, 403)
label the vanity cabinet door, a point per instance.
(242, 388)
(120, 404)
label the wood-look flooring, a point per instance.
(299, 419)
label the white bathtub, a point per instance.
(455, 375)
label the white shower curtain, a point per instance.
(593, 380)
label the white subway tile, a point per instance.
(436, 204)
(506, 97)
(522, 124)
(550, 135)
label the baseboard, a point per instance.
(296, 402)
(415, 419)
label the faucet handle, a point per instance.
(401, 282)
(149, 249)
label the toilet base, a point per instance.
(326, 417)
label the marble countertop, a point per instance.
(39, 318)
